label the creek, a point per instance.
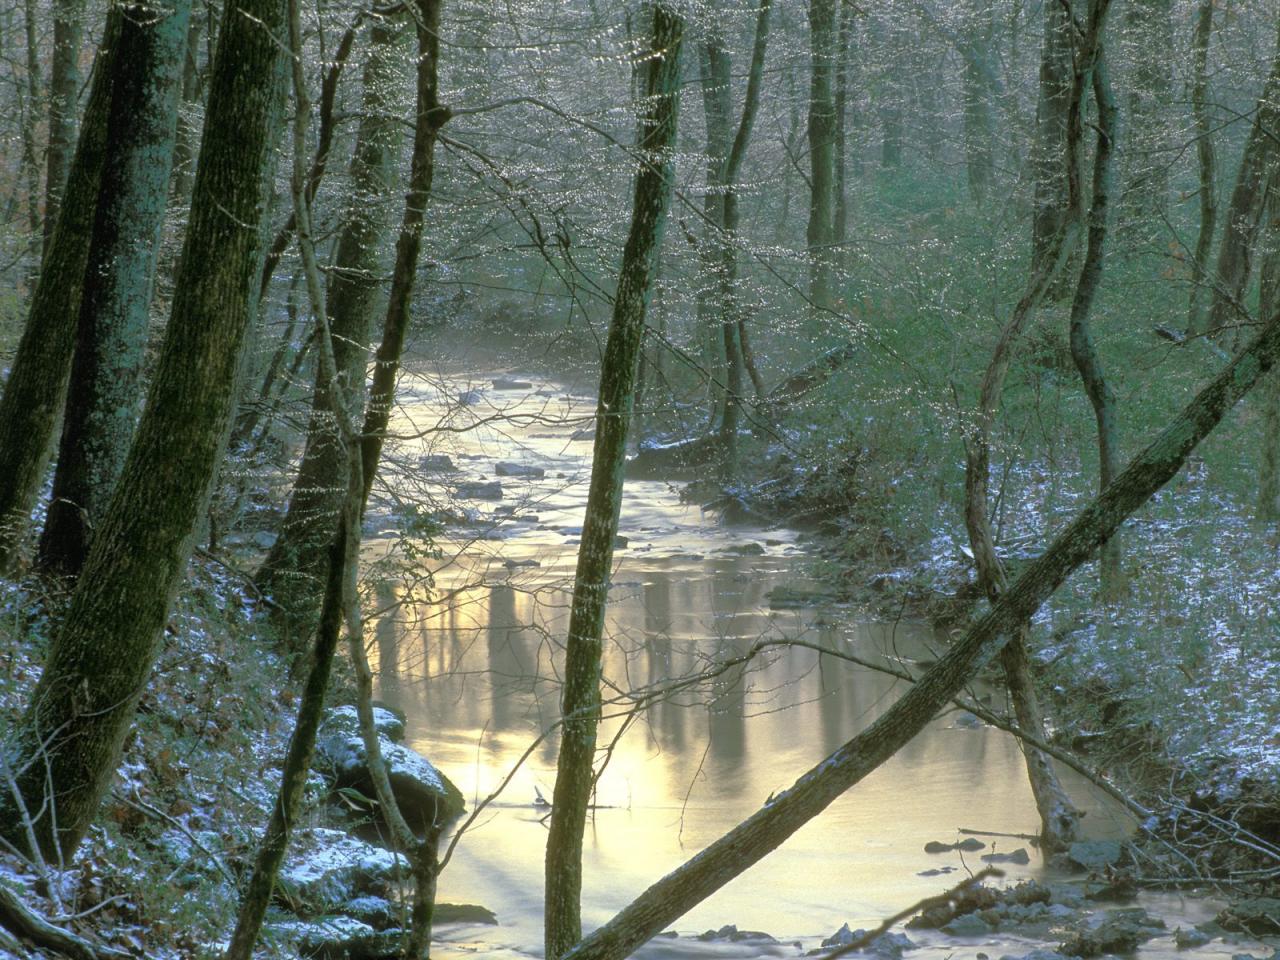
(475, 671)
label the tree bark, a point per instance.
(293, 570)
(822, 138)
(1244, 213)
(1053, 109)
(1205, 157)
(1268, 303)
(1083, 349)
(781, 816)
(1149, 154)
(580, 700)
(431, 116)
(64, 90)
(67, 744)
(1058, 816)
(978, 132)
(36, 390)
(105, 388)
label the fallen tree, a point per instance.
(764, 831)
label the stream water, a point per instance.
(475, 671)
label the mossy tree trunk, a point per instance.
(67, 744)
(1268, 303)
(1150, 150)
(1084, 351)
(979, 148)
(1207, 161)
(1258, 164)
(64, 91)
(1052, 204)
(822, 153)
(105, 388)
(783, 814)
(580, 700)
(293, 572)
(36, 390)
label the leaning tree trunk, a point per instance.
(68, 742)
(580, 704)
(1083, 350)
(64, 90)
(1244, 213)
(783, 814)
(1208, 192)
(822, 155)
(293, 572)
(36, 389)
(106, 371)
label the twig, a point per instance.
(991, 833)
(940, 900)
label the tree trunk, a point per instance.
(1244, 213)
(1196, 320)
(822, 155)
(1083, 350)
(844, 67)
(36, 389)
(1053, 108)
(785, 813)
(324, 144)
(580, 702)
(30, 151)
(1268, 303)
(431, 116)
(67, 744)
(184, 154)
(978, 132)
(64, 90)
(293, 570)
(723, 183)
(1058, 817)
(1149, 25)
(105, 389)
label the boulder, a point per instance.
(1094, 854)
(887, 946)
(1019, 856)
(505, 468)
(967, 925)
(1120, 931)
(732, 934)
(427, 798)
(330, 868)
(437, 463)
(504, 383)
(1190, 939)
(479, 489)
